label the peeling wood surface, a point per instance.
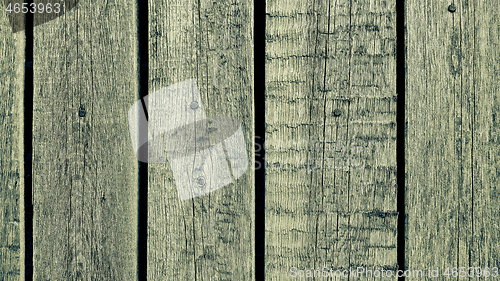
(11, 151)
(84, 168)
(210, 237)
(330, 135)
(452, 99)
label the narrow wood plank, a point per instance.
(485, 94)
(85, 170)
(434, 144)
(211, 236)
(330, 136)
(12, 49)
(452, 70)
(461, 64)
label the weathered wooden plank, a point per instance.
(461, 66)
(12, 49)
(330, 136)
(210, 236)
(433, 138)
(84, 168)
(452, 72)
(484, 36)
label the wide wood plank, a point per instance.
(210, 236)
(12, 49)
(451, 141)
(330, 136)
(433, 138)
(84, 168)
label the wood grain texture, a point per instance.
(210, 237)
(452, 134)
(485, 40)
(85, 171)
(12, 48)
(330, 135)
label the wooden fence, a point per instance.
(334, 186)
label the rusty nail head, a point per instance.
(452, 8)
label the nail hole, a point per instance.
(194, 105)
(200, 181)
(337, 112)
(452, 8)
(82, 112)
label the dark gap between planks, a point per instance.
(28, 147)
(142, 234)
(400, 120)
(260, 130)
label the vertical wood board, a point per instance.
(330, 136)
(451, 135)
(12, 49)
(84, 168)
(210, 236)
